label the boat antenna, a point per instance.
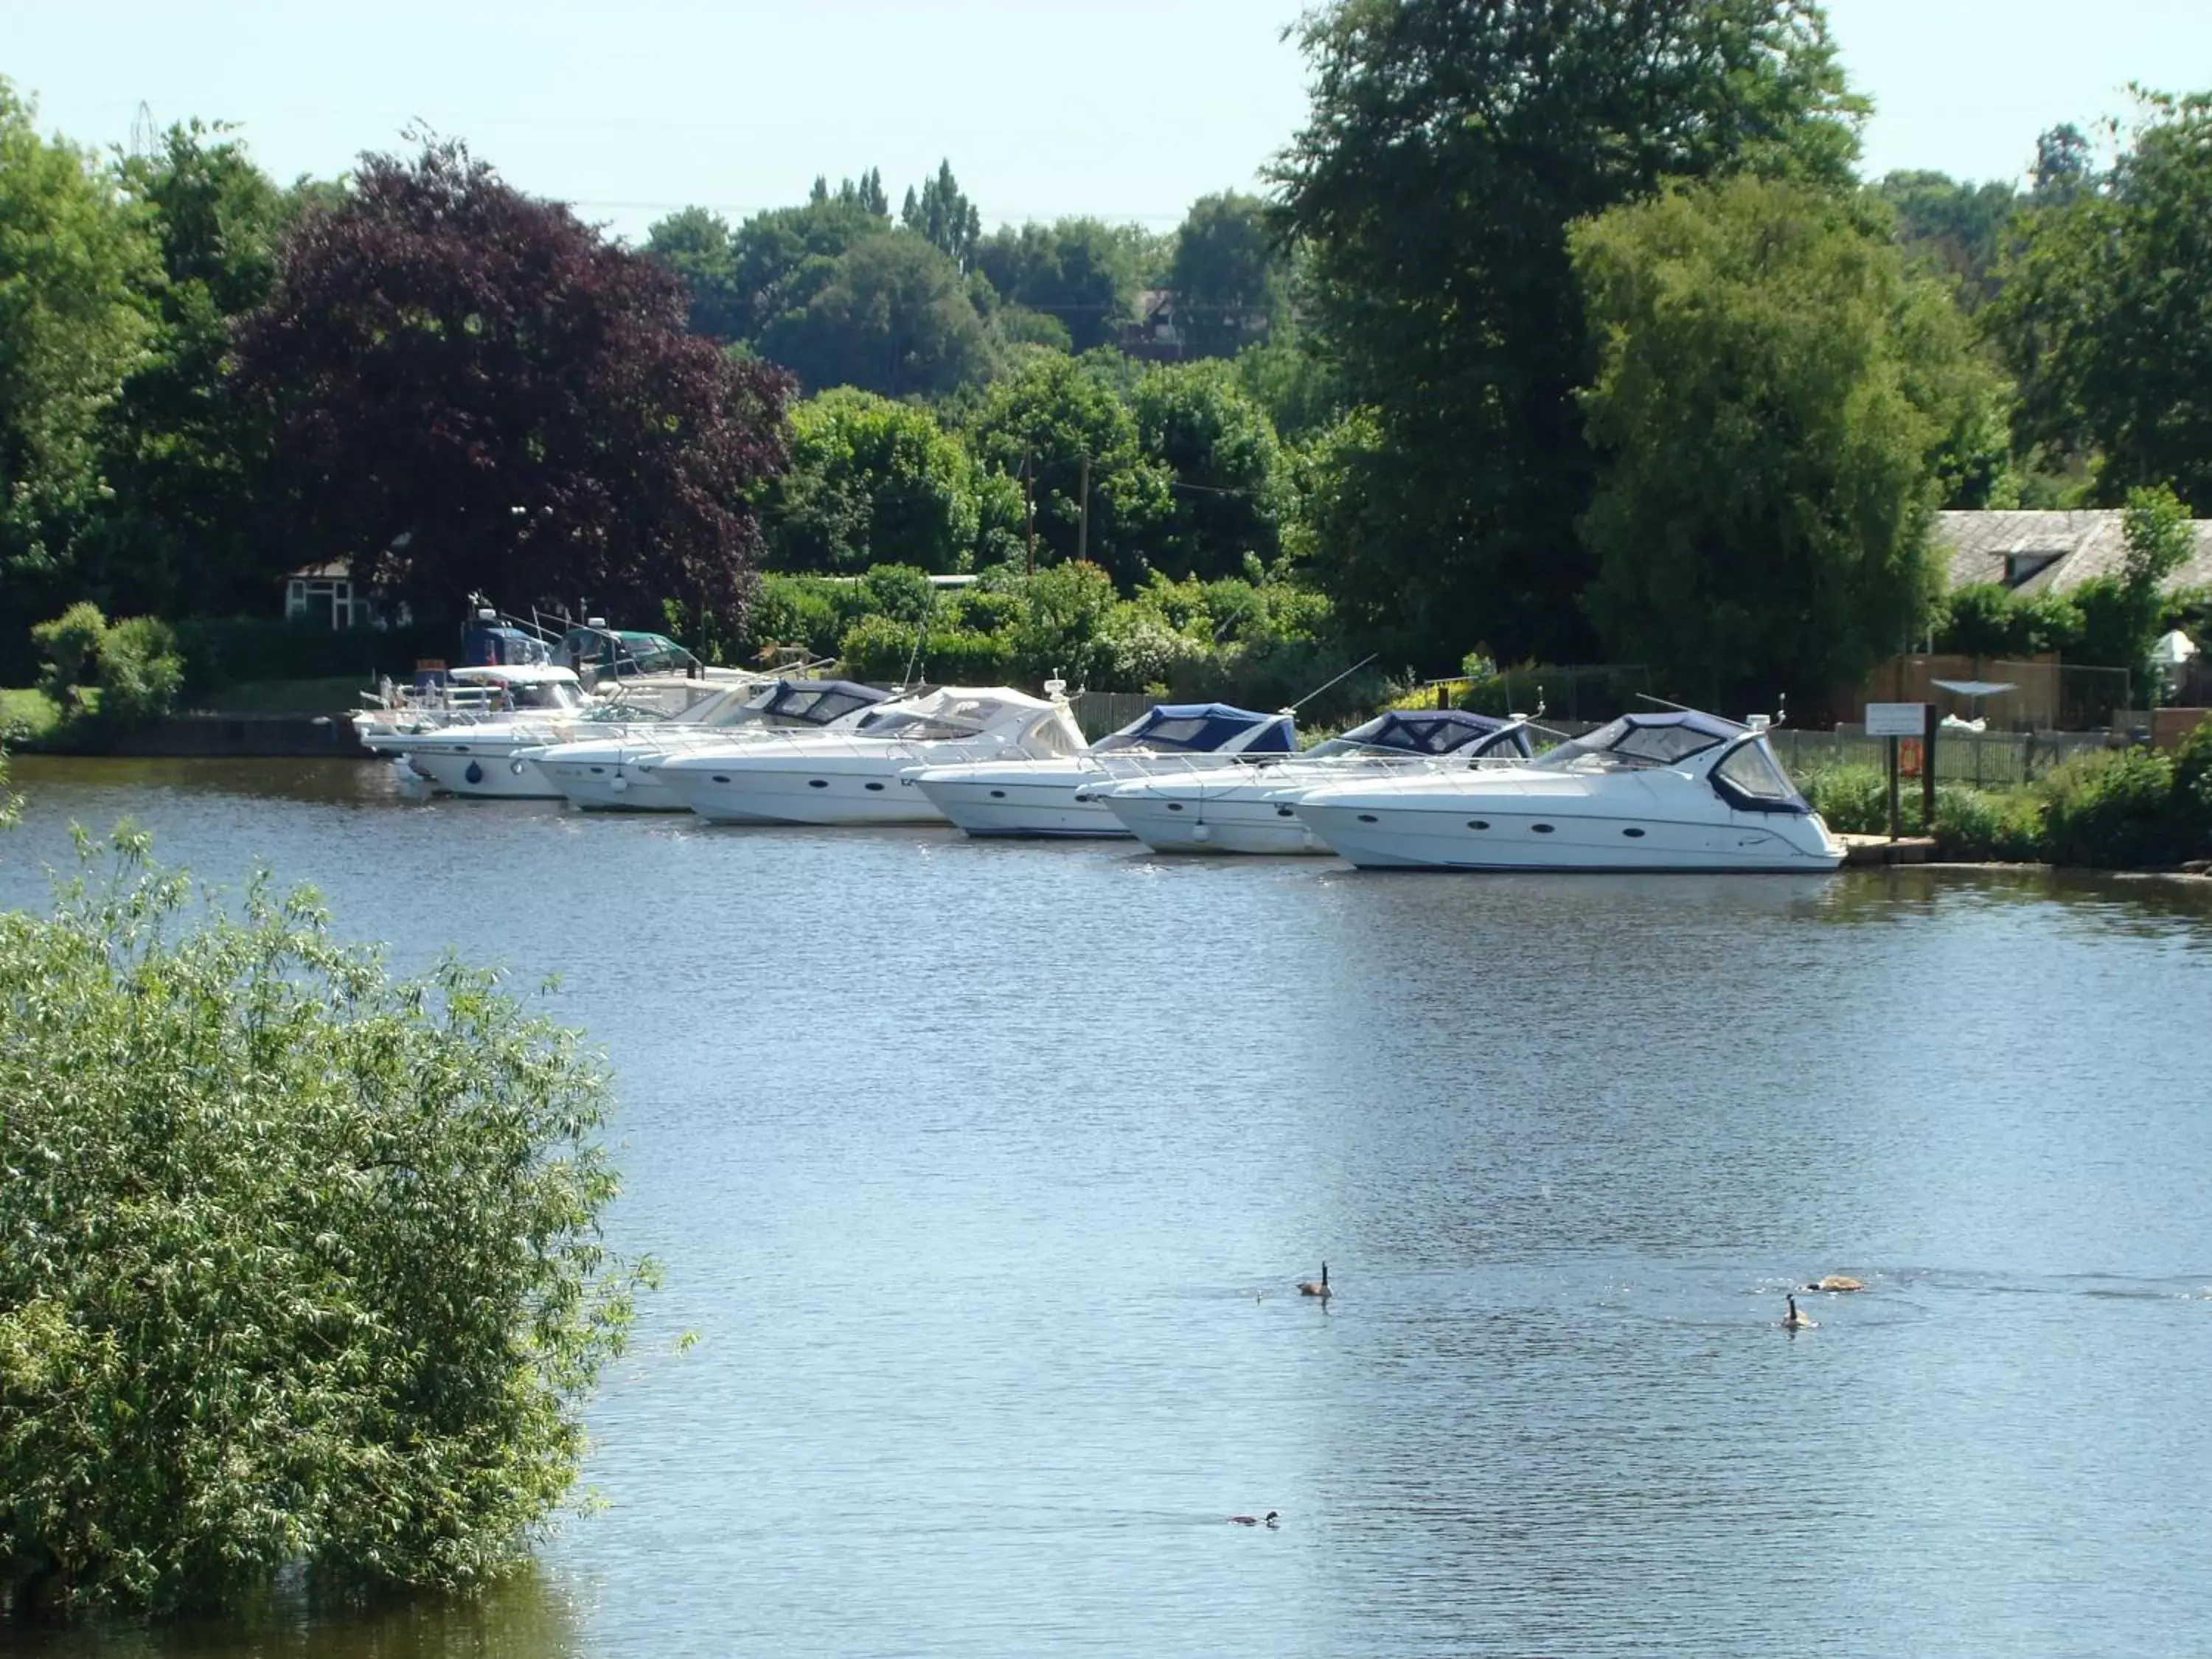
(1685, 708)
(921, 633)
(1325, 685)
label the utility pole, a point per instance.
(1028, 496)
(1083, 522)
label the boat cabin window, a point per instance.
(1753, 780)
(549, 693)
(1625, 746)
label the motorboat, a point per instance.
(1063, 795)
(854, 777)
(1677, 790)
(620, 774)
(490, 759)
(1249, 809)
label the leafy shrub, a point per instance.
(2114, 811)
(965, 657)
(70, 644)
(1853, 800)
(877, 649)
(304, 1266)
(1978, 826)
(140, 672)
(796, 610)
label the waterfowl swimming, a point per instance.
(1312, 1287)
(1838, 1282)
(1253, 1519)
(1794, 1321)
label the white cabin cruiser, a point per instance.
(1249, 809)
(490, 759)
(1674, 791)
(1063, 796)
(851, 778)
(621, 773)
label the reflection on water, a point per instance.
(984, 1172)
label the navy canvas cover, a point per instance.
(818, 701)
(1199, 727)
(1439, 732)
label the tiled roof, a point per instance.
(2077, 546)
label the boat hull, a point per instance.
(610, 786)
(486, 774)
(1249, 821)
(1539, 836)
(827, 792)
(1006, 805)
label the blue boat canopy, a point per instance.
(1437, 731)
(1665, 740)
(1206, 728)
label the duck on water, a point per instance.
(1315, 1286)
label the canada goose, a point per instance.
(1311, 1287)
(1838, 1282)
(1253, 1519)
(1794, 1321)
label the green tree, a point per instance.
(304, 1263)
(1449, 146)
(943, 216)
(1050, 423)
(1085, 272)
(870, 480)
(778, 259)
(1231, 283)
(76, 265)
(1957, 227)
(890, 315)
(188, 523)
(2103, 319)
(1771, 397)
(696, 245)
(2123, 614)
(1228, 486)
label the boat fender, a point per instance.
(515, 767)
(1201, 832)
(619, 785)
(475, 774)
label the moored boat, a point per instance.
(1679, 790)
(1249, 809)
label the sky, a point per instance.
(1045, 107)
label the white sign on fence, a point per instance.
(1896, 719)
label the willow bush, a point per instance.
(299, 1263)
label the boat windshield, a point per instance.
(914, 728)
(1753, 780)
(1632, 742)
(545, 694)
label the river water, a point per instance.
(983, 1174)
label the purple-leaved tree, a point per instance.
(475, 391)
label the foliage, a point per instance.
(1288, 378)
(1229, 491)
(1987, 619)
(870, 478)
(223, 651)
(1085, 272)
(696, 245)
(1447, 148)
(187, 522)
(2103, 319)
(1041, 424)
(1771, 394)
(942, 216)
(1230, 281)
(891, 315)
(75, 267)
(133, 664)
(1852, 800)
(2114, 809)
(1953, 226)
(304, 1264)
(474, 392)
(1979, 826)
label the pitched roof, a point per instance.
(2050, 552)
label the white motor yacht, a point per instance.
(1062, 796)
(1249, 809)
(1674, 791)
(488, 760)
(851, 778)
(620, 774)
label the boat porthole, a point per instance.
(1634, 835)
(1542, 829)
(876, 786)
(1368, 817)
(475, 774)
(818, 783)
(596, 770)
(1478, 823)
(1174, 806)
(721, 777)
(1284, 812)
(998, 794)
